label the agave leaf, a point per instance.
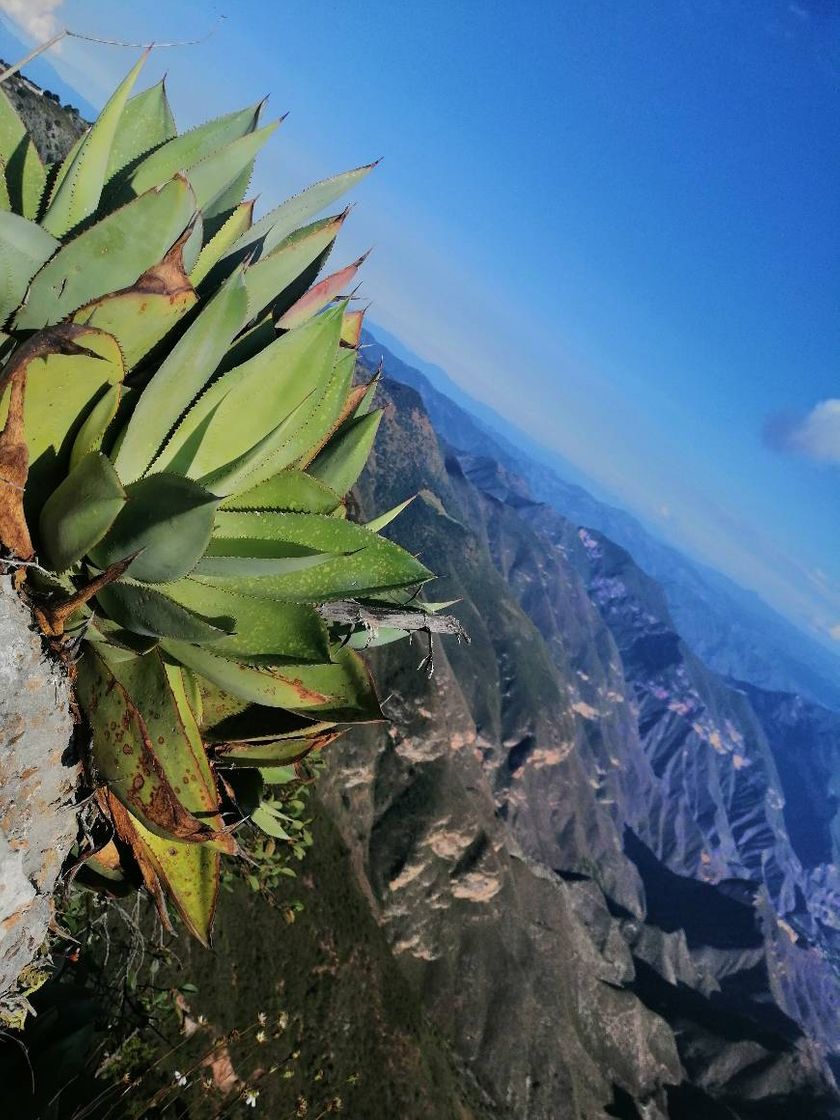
(143, 610)
(264, 627)
(322, 416)
(24, 248)
(223, 424)
(121, 643)
(366, 403)
(228, 718)
(351, 329)
(135, 724)
(192, 691)
(110, 255)
(193, 243)
(190, 363)
(319, 296)
(78, 514)
(364, 562)
(167, 520)
(228, 479)
(218, 245)
(212, 176)
(342, 685)
(384, 519)
(78, 194)
(293, 491)
(145, 124)
(55, 175)
(95, 425)
(250, 343)
(61, 389)
(141, 315)
(222, 208)
(183, 152)
(277, 559)
(275, 226)
(277, 752)
(5, 201)
(188, 874)
(24, 173)
(344, 457)
(274, 273)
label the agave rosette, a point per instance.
(181, 429)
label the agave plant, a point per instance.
(181, 428)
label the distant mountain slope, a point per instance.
(732, 630)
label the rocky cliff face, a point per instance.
(574, 834)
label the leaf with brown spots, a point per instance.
(147, 749)
(187, 873)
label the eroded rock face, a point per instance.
(37, 784)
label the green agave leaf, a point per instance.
(110, 255)
(231, 567)
(249, 344)
(187, 874)
(274, 273)
(55, 175)
(222, 208)
(344, 457)
(228, 479)
(134, 726)
(167, 520)
(192, 690)
(231, 720)
(180, 378)
(213, 176)
(290, 490)
(142, 610)
(384, 519)
(145, 124)
(215, 249)
(140, 316)
(276, 752)
(319, 296)
(321, 415)
(61, 389)
(95, 425)
(24, 174)
(367, 562)
(24, 248)
(121, 643)
(79, 513)
(275, 226)
(183, 152)
(78, 194)
(223, 424)
(366, 402)
(344, 685)
(263, 627)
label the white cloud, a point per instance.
(35, 18)
(818, 435)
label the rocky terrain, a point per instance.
(586, 825)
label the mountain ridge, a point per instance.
(730, 628)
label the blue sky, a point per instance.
(615, 222)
